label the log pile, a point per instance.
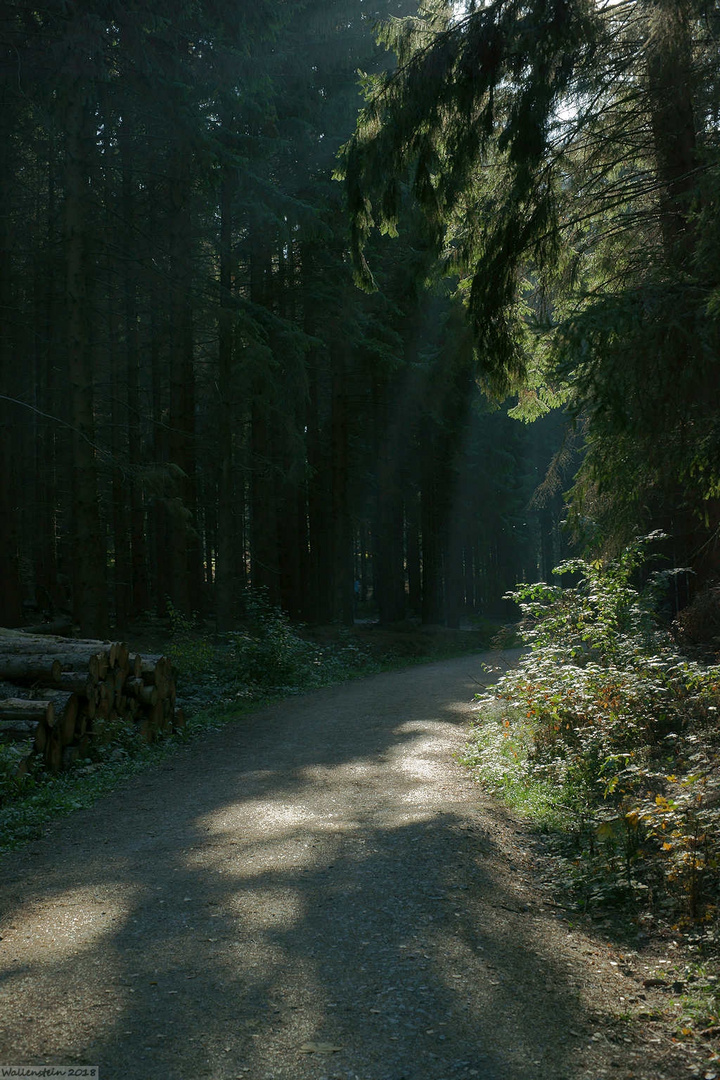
(78, 693)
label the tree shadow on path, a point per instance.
(311, 894)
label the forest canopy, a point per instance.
(565, 158)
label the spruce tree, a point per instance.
(566, 159)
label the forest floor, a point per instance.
(319, 891)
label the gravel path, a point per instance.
(318, 891)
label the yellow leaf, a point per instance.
(667, 847)
(632, 816)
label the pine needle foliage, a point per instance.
(566, 157)
(465, 119)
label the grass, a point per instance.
(498, 754)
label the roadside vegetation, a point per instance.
(606, 736)
(606, 739)
(221, 679)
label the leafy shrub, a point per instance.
(268, 653)
(605, 727)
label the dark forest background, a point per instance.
(196, 397)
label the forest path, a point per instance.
(317, 891)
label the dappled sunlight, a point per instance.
(258, 909)
(61, 972)
(254, 857)
(71, 922)
(422, 768)
(273, 818)
(263, 957)
(332, 907)
(421, 727)
(320, 776)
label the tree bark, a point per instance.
(89, 561)
(342, 562)
(140, 590)
(121, 566)
(412, 547)
(264, 475)
(10, 587)
(670, 86)
(183, 552)
(228, 554)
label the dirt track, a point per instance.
(318, 891)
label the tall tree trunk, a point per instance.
(468, 574)
(263, 501)
(292, 518)
(389, 549)
(412, 548)
(292, 509)
(183, 542)
(117, 377)
(292, 543)
(342, 565)
(670, 87)
(318, 450)
(454, 577)
(89, 561)
(160, 518)
(140, 598)
(263, 445)
(228, 553)
(389, 554)
(430, 518)
(10, 589)
(120, 517)
(319, 495)
(51, 449)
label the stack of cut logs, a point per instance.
(77, 694)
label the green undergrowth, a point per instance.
(266, 658)
(221, 678)
(606, 737)
(269, 656)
